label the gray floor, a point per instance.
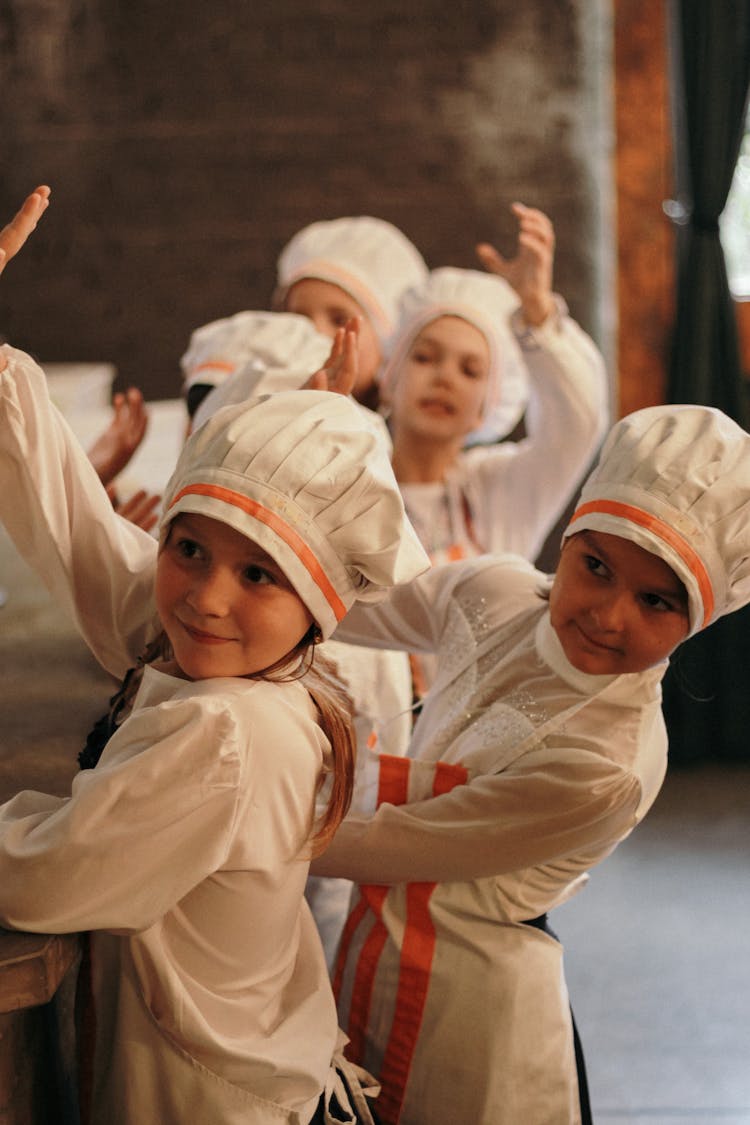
(658, 945)
(658, 959)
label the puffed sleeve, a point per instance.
(96, 565)
(544, 808)
(137, 833)
(518, 490)
(420, 616)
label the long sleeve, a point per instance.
(419, 616)
(546, 765)
(518, 490)
(545, 808)
(136, 834)
(96, 565)
(210, 777)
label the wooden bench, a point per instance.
(38, 1071)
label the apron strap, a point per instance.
(348, 1096)
(541, 923)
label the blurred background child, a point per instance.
(334, 270)
(476, 351)
(472, 350)
(329, 272)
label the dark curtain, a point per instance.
(707, 689)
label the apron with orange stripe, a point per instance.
(416, 951)
(405, 946)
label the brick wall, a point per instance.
(186, 143)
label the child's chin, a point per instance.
(592, 663)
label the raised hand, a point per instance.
(114, 447)
(530, 271)
(13, 236)
(15, 233)
(339, 373)
(141, 508)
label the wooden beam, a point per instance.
(643, 175)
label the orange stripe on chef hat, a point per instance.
(281, 528)
(665, 532)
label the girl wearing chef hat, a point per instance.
(357, 266)
(539, 748)
(471, 354)
(185, 851)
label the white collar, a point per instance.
(627, 688)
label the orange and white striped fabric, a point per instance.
(366, 928)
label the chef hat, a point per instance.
(676, 481)
(368, 258)
(251, 343)
(302, 475)
(255, 353)
(487, 302)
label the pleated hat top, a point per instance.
(302, 474)
(251, 343)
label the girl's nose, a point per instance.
(443, 371)
(210, 595)
(609, 613)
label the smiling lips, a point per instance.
(594, 643)
(205, 638)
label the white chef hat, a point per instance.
(251, 343)
(368, 258)
(302, 475)
(256, 353)
(487, 302)
(676, 481)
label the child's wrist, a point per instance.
(535, 310)
(531, 335)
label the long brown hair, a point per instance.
(335, 711)
(320, 677)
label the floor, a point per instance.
(658, 960)
(658, 945)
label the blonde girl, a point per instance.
(186, 850)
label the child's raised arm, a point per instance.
(15, 233)
(530, 271)
(96, 565)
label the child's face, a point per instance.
(441, 388)
(329, 307)
(614, 606)
(225, 605)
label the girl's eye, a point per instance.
(257, 576)
(471, 371)
(595, 565)
(657, 602)
(338, 318)
(421, 357)
(188, 548)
